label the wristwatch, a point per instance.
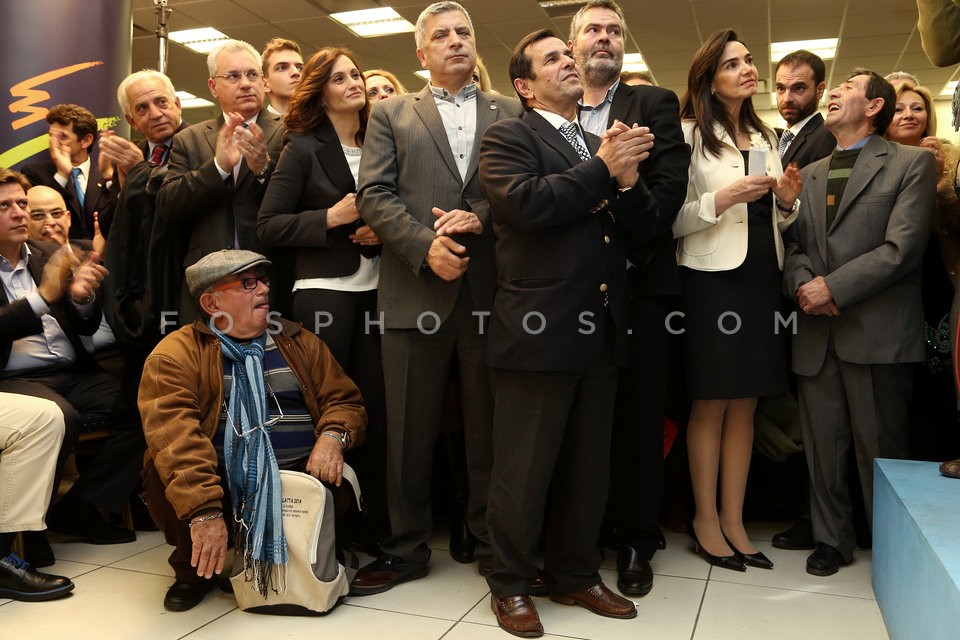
(262, 174)
(340, 434)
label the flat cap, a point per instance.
(212, 267)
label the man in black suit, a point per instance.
(596, 38)
(558, 331)
(84, 182)
(47, 301)
(219, 169)
(800, 85)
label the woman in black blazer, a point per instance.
(309, 207)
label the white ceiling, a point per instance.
(879, 34)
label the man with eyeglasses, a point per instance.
(219, 169)
(48, 301)
(282, 66)
(237, 378)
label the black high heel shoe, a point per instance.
(733, 563)
(757, 559)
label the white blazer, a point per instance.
(708, 242)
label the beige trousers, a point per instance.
(31, 430)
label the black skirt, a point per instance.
(746, 355)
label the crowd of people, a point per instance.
(300, 282)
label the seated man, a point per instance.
(47, 302)
(205, 418)
(31, 430)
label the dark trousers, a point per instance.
(357, 348)
(844, 405)
(416, 369)
(636, 460)
(551, 458)
(110, 477)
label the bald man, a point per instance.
(49, 218)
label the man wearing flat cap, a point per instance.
(226, 403)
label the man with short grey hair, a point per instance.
(219, 169)
(419, 191)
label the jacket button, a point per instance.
(603, 287)
(606, 239)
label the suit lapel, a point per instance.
(867, 166)
(330, 156)
(801, 139)
(552, 136)
(817, 204)
(210, 133)
(426, 108)
(620, 106)
(488, 112)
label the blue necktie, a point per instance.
(75, 172)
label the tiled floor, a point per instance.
(120, 592)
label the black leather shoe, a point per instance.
(384, 574)
(634, 573)
(825, 561)
(462, 542)
(79, 518)
(799, 537)
(183, 596)
(36, 550)
(19, 581)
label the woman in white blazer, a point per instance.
(730, 253)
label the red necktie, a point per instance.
(156, 159)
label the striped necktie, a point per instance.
(785, 141)
(569, 132)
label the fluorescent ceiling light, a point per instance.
(826, 48)
(190, 101)
(949, 88)
(634, 62)
(423, 73)
(200, 40)
(370, 23)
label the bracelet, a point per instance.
(339, 438)
(216, 515)
(790, 209)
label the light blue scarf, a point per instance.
(252, 473)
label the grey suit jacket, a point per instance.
(870, 257)
(408, 168)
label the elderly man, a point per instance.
(853, 266)
(48, 302)
(436, 282)
(219, 169)
(31, 430)
(208, 392)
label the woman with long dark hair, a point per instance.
(309, 207)
(731, 254)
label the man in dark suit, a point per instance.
(853, 267)
(419, 191)
(47, 301)
(219, 169)
(799, 86)
(558, 331)
(82, 179)
(596, 38)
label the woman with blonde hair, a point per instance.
(381, 84)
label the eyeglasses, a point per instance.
(266, 423)
(233, 77)
(39, 216)
(247, 283)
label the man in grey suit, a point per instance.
(419, 191)
(218, 170)
(853, 267)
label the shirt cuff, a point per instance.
(223, 174)
(60, 180)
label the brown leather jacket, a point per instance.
(181, 393)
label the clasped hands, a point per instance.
(622, 149)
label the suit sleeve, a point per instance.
(511, 173)
(905, 241)
(665, 172)
(378, 197)
(191, 188)
(939, 26)
(281, 222)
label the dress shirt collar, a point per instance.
(607, 99)
(466, 92)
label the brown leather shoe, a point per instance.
(951, 468)
(517, 615)
(600, 600)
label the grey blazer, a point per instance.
(408, 168)
(870, 257)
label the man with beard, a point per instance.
(799, 85)
(596, 38)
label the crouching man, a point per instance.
(226, 403)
